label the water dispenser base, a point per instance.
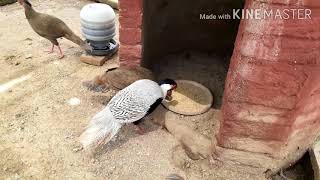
(103, 48)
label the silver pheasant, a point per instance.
(129, 105)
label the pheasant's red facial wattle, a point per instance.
(21, 2)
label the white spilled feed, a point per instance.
(74, 101)
(8, 85)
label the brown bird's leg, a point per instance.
(56, 43)
(61, 53)
(51, 50)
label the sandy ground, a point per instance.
(39, 128)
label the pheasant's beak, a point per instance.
(169, 97)
(174, 87)
(169, 93)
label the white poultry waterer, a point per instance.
(99, 29)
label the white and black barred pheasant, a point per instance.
(129, 105)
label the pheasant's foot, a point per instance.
(139, 129)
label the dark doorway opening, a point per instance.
(178, 44)
(302, 170)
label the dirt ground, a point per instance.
(40, 124)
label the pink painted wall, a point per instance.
(130, 18)
(271, 108)
(271, 101)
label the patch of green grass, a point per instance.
(5, 2)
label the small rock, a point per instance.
(188, 165)
(18, 115)
(29, 56)
(174, 177)
(17, 64)
(93, 60)
(74, 101)
(69, 136)
(10, 57)
(11, 124)
(77, 149)
(23, 122)
(27, 39)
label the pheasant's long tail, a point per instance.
(101, 129)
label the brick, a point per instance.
(130, 15)
(270, 103)
(277, 49)
(254, 130)
(240, 158)
(133, 5)
(251, 145)
(130, 36)
(93, 60)
(271, 84)
(130, 55)
(292, 27)
(130, 21)
(257, 113)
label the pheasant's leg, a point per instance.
(139, 130)
(138, 127)
(61, 53)
(51, 50)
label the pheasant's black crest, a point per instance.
(167, 81)
(28, 3)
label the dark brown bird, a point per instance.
(51, 28)
(118, 78)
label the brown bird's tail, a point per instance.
(77, 40)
